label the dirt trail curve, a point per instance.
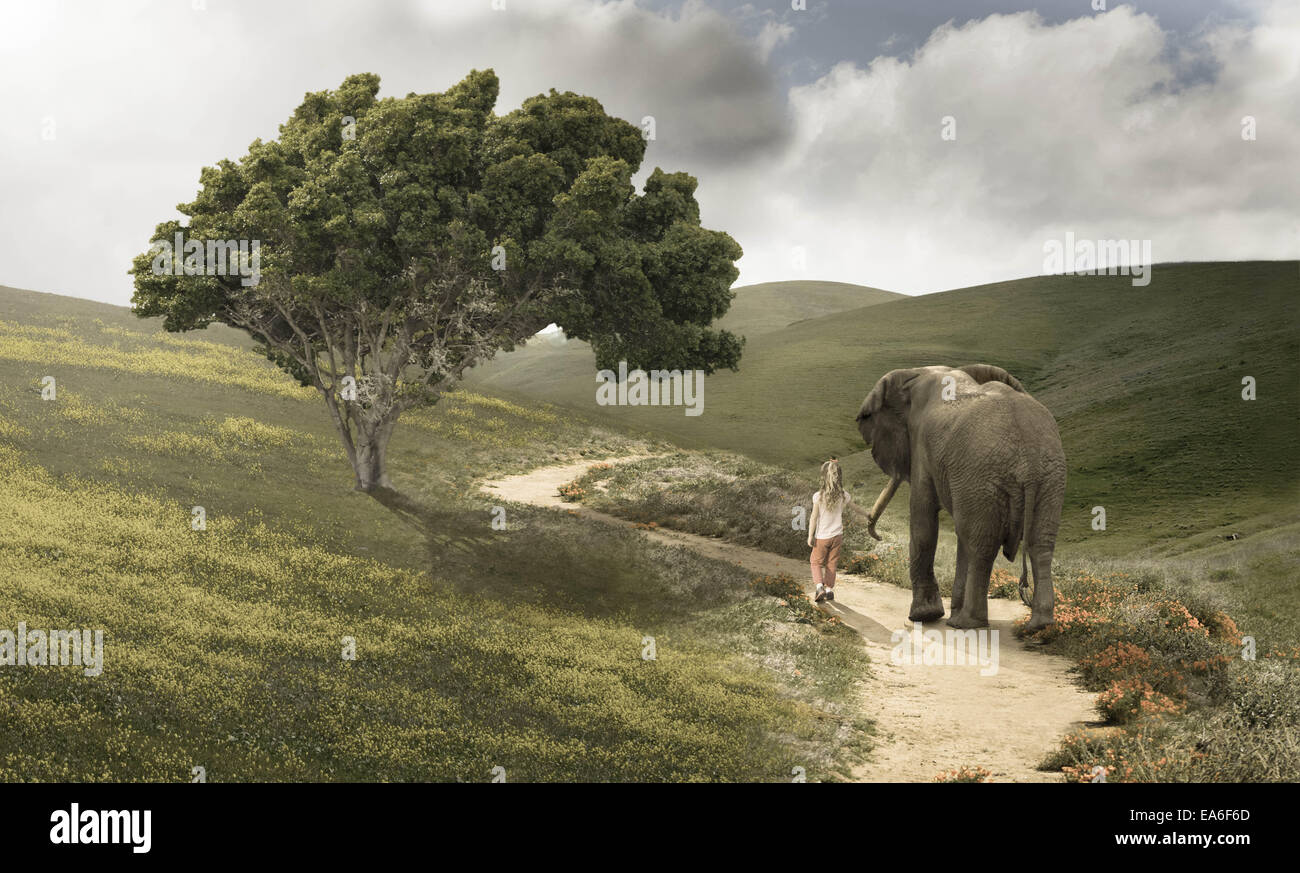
(929, 718)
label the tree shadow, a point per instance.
(443, 528)
(546, 558)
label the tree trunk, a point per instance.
(371, 466)
(366, 441)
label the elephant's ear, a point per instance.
(871, 404)
(982, 373)
(891, 393)
(883, 422)
(897, 389)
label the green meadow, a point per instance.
(225, 647)
(521, 648)
(1181, 613)
(1145, 383)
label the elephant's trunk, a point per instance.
(886, 494)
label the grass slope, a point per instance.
(563, 370)
(771, 306)
(1185, 693)
(1144, 382)
(518, 648)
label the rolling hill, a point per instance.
(1145, 382)
(520, 647)
(558, 367)
(226, 646)
(772, 306)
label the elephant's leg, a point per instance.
(927, 605)
(959, 578)
(1040, 545)
(975, 606)
(1041, 614)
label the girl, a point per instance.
(826, 529)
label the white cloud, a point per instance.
(772, 35)
(1092, 126)
(145, 94)
(1084, 126)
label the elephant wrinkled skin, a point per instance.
(972, 441)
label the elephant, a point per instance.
(972, 441)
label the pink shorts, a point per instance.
(826, 553)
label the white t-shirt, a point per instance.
(830, 522)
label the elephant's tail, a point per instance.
(1014, 530)
(1030, 497)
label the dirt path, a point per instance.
(930, 718)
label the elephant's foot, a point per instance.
(1038, 622)
(926, 608)
(965, 621)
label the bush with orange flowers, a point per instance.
(1115, 661)
(1179, 701)
(572, 492)
(862, 563)
(1128, 699)
(1004, 583)
(965, 773)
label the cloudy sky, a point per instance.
(817, 133)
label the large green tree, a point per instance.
(403, 240)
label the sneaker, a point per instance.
(830, 593)
(819, 593)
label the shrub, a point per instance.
(862, 563)
(1128, 699)
(1183, 706)
(791, 594)
(1115, 661)
(965, 773)
(1267, 696)
(1004, 583)
(572, 492)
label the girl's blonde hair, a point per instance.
(832, 484)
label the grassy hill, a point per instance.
(477, 648)
(520, 648)
(1145, 383)
(562, 370)
(770, 306)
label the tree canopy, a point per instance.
(402, 240)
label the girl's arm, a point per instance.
(812, 522)
(857, 510)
